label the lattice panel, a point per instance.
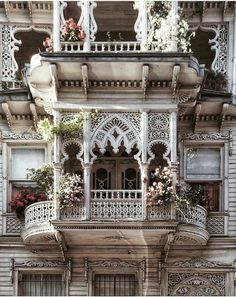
(220, 63)
(192, 214)
(159, 212)
(116, 210)
(134, 119)
(196, 284)
(216, 225)
(39, 212)
(13, 225)
(75, 212)
(8, 67)
(158, 126)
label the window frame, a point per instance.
(19, 271)
(223, 146)
(7, 161)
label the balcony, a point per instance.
(112, 213)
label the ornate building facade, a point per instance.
(154, 109)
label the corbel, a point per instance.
(6, 109)
(69, 269)
(224, 110)
(198, 108)
(145, 73)
(169, 240)
(55, 82)
(84, 71)
(143, 267)
(61, 241)
(175, 78)
(35, 115)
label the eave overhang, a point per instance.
(175, 77)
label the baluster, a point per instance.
(103, 47)
(122, 47)
(107, 195)
(118, 195)
(129, 195)
(112, 194)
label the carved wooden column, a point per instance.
(57, 166)
(86, 164)
(173, 143)
(141, 24)
(56, 26)
(87, 21)
(144, 163)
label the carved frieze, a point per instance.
(198, 263)
(42, 263)
(205, 136)
(23, 136)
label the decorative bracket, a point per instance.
(175, 77)
(145, 73)
(35, 115)
(84, 71)
(224, 110)
(197, 116)
(6, 109)
(55, 81)
(61, 241)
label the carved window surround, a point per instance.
(198, 276)
(114, 266)
(41, 266)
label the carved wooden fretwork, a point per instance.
(219, 44)
(10, 45)
(116, 265)
(65, 118)
(144, 17)
(116, 128)
(205, 136)
(41, 263)
(90, 18)
(151, 153)
(198, 263)
(196, 284)
(23, 136)
(158, 126)
(67, 143)
(63, 5)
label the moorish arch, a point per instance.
(117, 130)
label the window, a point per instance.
(40, 284)
(203, 167)
(114, 285)
(22, 159)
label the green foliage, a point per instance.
(43, 177)
(47, 130)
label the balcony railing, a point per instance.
(116, 205)
(105, 46)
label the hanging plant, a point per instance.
(166, 27)
(70, 31)
(47, 130)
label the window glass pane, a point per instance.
(203, 163)
(23, 159)
(41, 285)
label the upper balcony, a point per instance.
(115, 215)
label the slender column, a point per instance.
(87, 165)
(144, 24)
(173, 146)
(174, 10)
(144, 164)
(56, 166)
(56, 26)
(86, 24)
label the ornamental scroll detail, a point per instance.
(196, 284)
